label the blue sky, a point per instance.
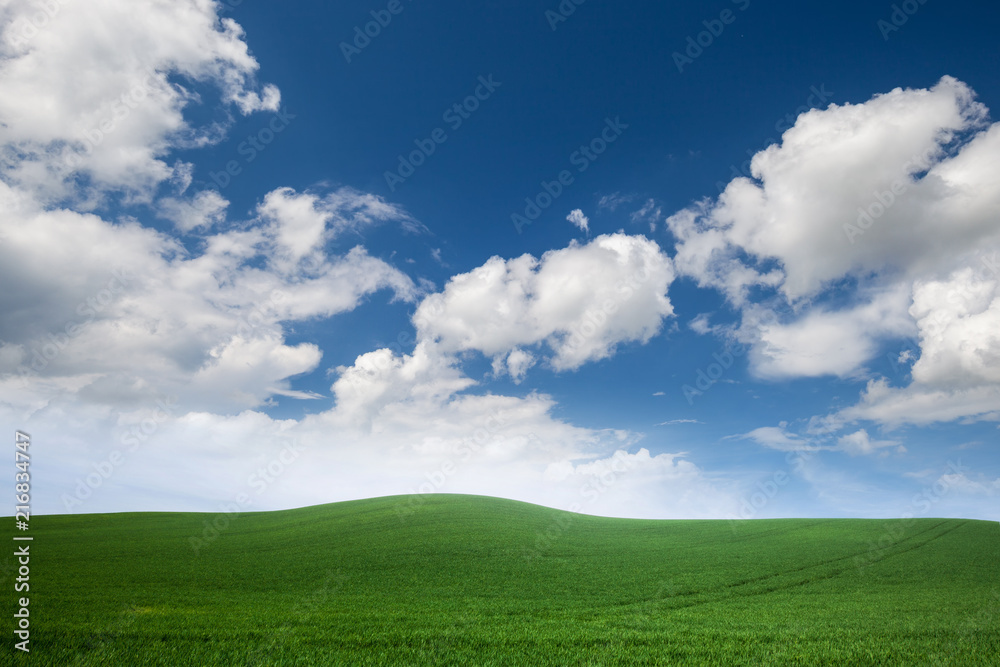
(706, 324)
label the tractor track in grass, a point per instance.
(853, 555)
(713, 593)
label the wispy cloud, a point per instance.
(613, 201)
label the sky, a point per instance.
(725, 260)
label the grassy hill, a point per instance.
(473, 580)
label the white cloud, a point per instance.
(581, 301)
(302, 223)
(776, 437)
(957, 374)
(824, 342)
(860, 443)
(637, 485)
(579, 220)
(493, 445)
(401, 424)
(87, 94)
(518, 363)
(139, 311)
(859, 228)
(201, 211)
(779, 438)
(920, 405)
(832, 162)
(650, 213)
(959, 327)
(380, 380)
(613, 201)
(961, 483)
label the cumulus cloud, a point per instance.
(200, 211)
(206, 325)
(957, 373)
(833, 162)
(380, 380)
(300, 224)
(920, 405)
(958, 320)
(516, 364)
(408, 422)
(859, 228)
(94, 99)
(580, 301)
(824, 341)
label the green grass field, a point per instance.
(468, 580)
